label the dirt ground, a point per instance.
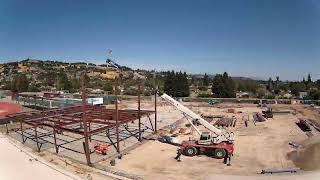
(261, 146)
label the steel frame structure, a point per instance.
(84, 120)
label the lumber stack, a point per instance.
(224, 122)
(304, 125)
(279, 170)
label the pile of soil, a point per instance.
(308, 157)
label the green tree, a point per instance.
(304, 81)
(34, 88)
(50, 78)
(176, 84)
(223, 86)
(169, 83)
(75, 84)
(309, 78)
(108, 87)
(269, 86)
(20, 83)
(205, 80)
(314, 94)
(185, 85)
(317, 83)
(246, 85)
(296, 87)
(261, 92)
(64, 83)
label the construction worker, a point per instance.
(178, 155)
(227, 160)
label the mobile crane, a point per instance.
(215, 142)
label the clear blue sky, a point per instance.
(253, 38)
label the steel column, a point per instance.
(139, 109)
(36, 136)
(155, 112)
(117, 114)
(84, 118)
(55, 140)
(21, 131)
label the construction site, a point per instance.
(159, 136)
(143, 137)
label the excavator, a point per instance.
(214, 142)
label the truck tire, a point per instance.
(220, 153)
(190, 151)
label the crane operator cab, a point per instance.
(205, 138)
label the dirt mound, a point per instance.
(308, 157)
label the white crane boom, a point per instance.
(191, 114)
(216, 135)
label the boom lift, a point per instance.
(214, 142)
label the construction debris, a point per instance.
(267, 113)
(303, 125)
(231, 111)
(280, 170)
(295, 145)
(224, 122)
(169, 140)
(210, 118)
(257, 117)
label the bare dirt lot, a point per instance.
(261, 146)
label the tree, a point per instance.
(309, 78)
(108, 87)
(50, 78)
(317, 83)
(297, 87)
(75, 84)
(277, 82)
(261, 92)
(168, 83)
(223, 86)
(269, 86)
(309, 82)
(314, 94)
(20, 83)
(34, 88)
(205, 80)
(185, 85)
(246, 85)
(176, 84)
(64, 83)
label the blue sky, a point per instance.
(253, 38)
